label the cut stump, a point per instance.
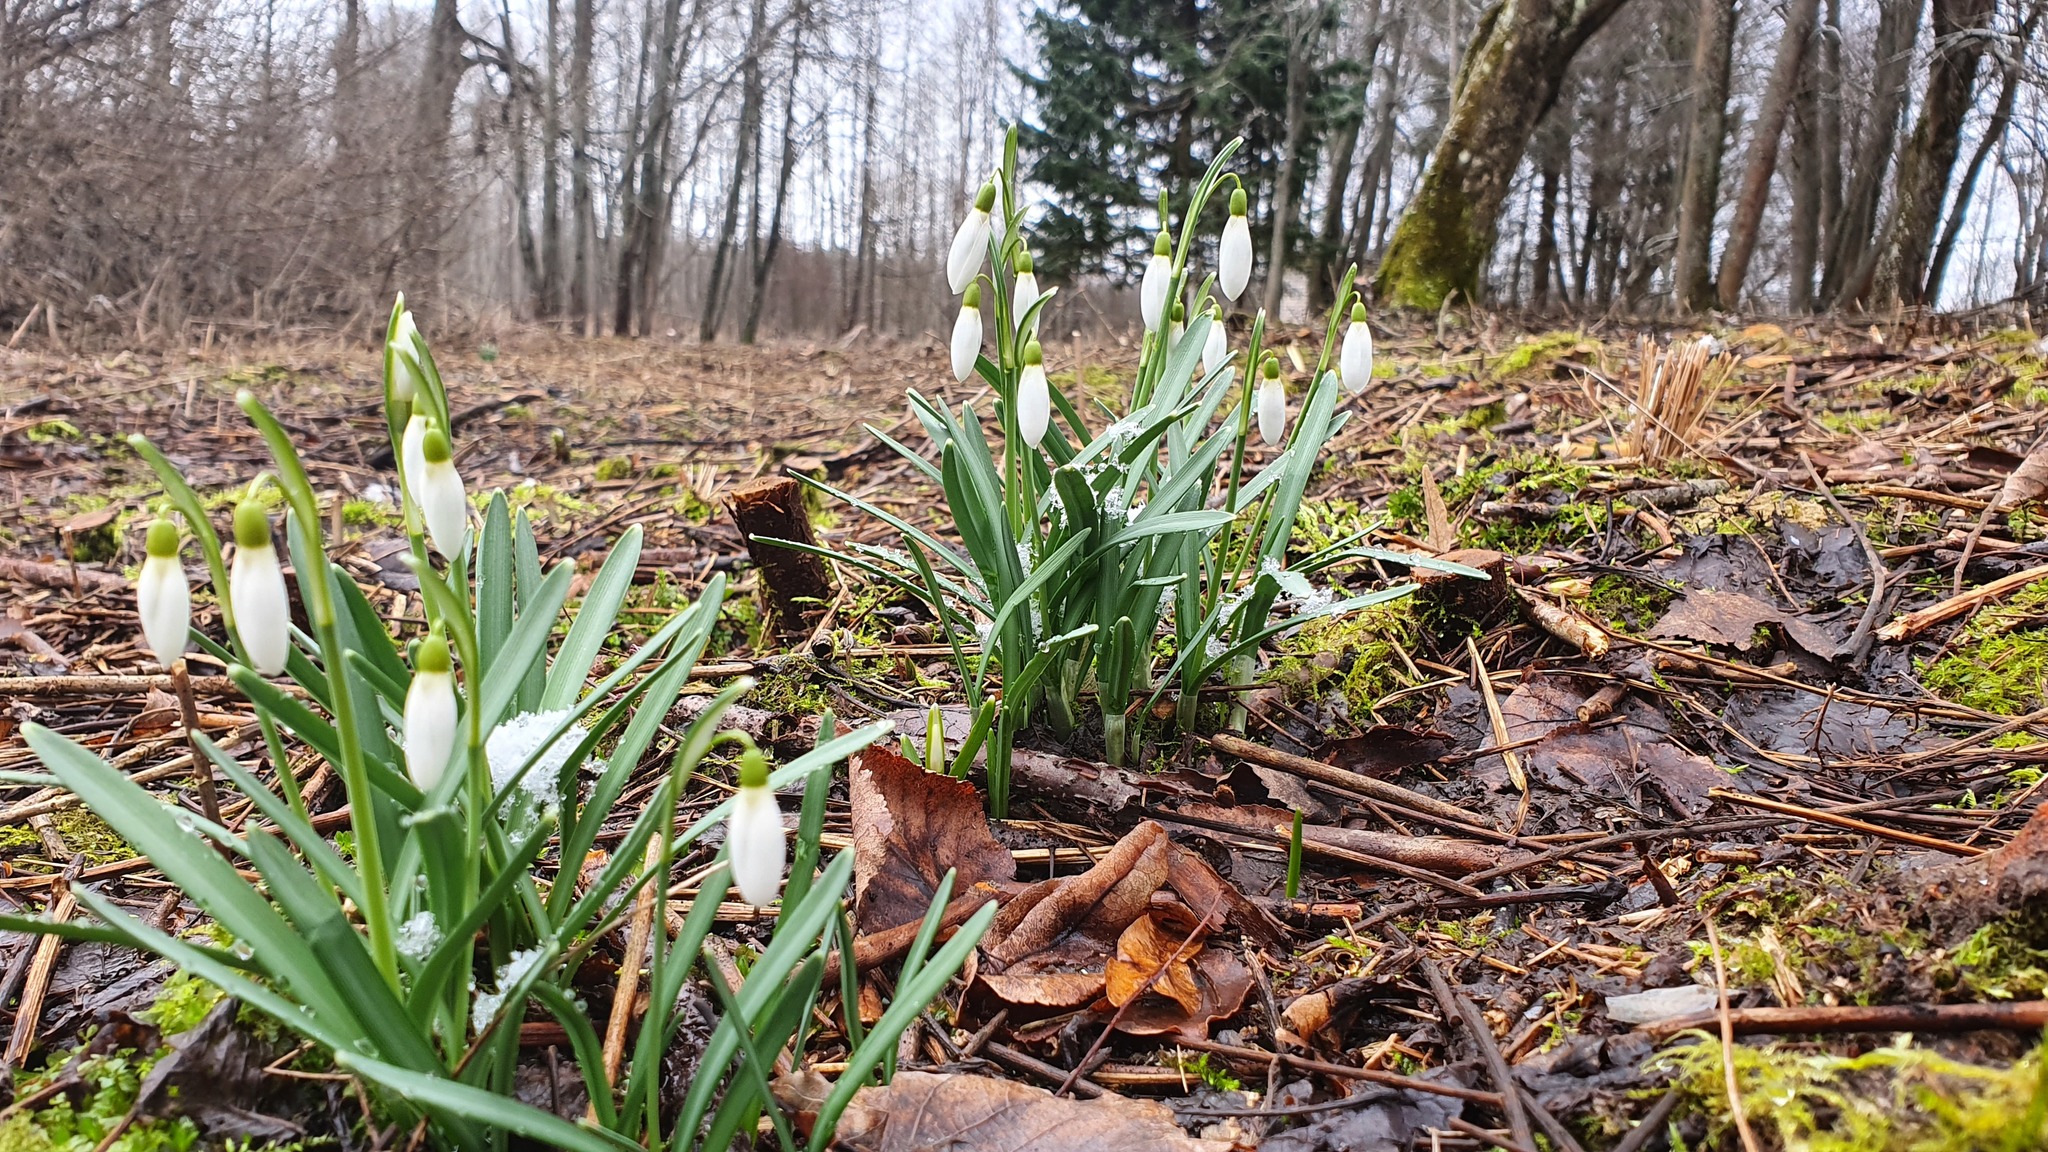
(769, 509)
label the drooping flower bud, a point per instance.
(967, 333)
(1215, 346)
(406, 377)
(970, 243)
(1034, 396)
(443, 503)
(758, 847)
(1158, 278)
(1025, 293)
(430, 713)
(1177, 315)
(1272, 405)
(1234, 253)
(162, 598)
(412, 463)
(263, 613)
(1354, 362)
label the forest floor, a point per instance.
(1700, 743)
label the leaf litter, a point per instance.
(1735, 755)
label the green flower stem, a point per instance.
(314, 590)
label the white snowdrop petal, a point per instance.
(164, 601)
(263, 613)
(1272, 411)
(1355, 361)
(1234, 257)
(1023, 297)
(759, 847)
(1034, 404)
(966, 342)
(1215, 348)
(1152, 291)
(970, 247)
(412, 455)
(444, 506)
(429, 727)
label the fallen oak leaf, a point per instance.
(1048, 945)
(1223, 981)
(1147, 952)
(924, 1110)
(909, 827)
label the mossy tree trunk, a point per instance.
(1509, 79)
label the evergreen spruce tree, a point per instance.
(1136, 95)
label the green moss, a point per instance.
(1437, 249)
(1214, 1075)
(51, 431)
(1353, 655)
(1999, 961)
(614, 468)
(79, 1121)
(1536, 350)
(1999, 662)
(368, 514)
(91, 837)
(1861, 420)
(181, 1003)
(1630, 604)
(1902, 1099)
(1092, 381)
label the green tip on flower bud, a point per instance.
(1238, 202)
(1272, 368)
(753, 769)
(985, 199)
(1163, 246)
(1358, 313)
(1023, 261)
(1180, 312)
(1033, 354)
(434, 445)
(252, 527)
(432, 654)
(1216, 312)
(971, 299)
(162, 541)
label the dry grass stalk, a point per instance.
(1675, 390)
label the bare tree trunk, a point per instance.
(1994, 132)
(1804, 254)
(1509, 79)
(1379, 162)
(1692, 278)
(1898, 26)
(1961, 30)
(1546, 226)
(1763, 148)
(1343, 158)
(647, 200)
(512, 115)
(1290, 158)
(864, 244)
(744, 147)
(582, 206)
(1828, 119)
(771, 244)
(550, 171)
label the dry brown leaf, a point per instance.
(1049, 944)
(1224, 982)
(1711, 616)
(1218, 901)
(2027, 482)
(1612, 761)
(909, 826)
(918, 1111)
(1146, 948)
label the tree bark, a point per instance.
(1379, 162)
(1298, 37)
(1898, 26)
(582, 207)
(1509, 79)
(1692, 277)
(550, 170)
(771, 244)
(1804, 239)
(745, 144)
(1961, 30)
(1763, 148)
(1994, 132)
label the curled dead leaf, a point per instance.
(924, 1110)
(1145, 948)
(909, 827)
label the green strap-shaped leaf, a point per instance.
(491, 1110)
(594, 619)
(494, 593)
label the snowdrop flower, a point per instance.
(162, 598)
(263, 614)
(970, 243)
(1158, 278)
(1354, 363)
(1234, 253)
(967, 334)
(1025, 293)
(757, 845)
(430, 714)
(1216, 347)
(412, 459)
(1034, 396)
(1177, 328)
(406, 376)
(443, 504)
(1272, 405)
